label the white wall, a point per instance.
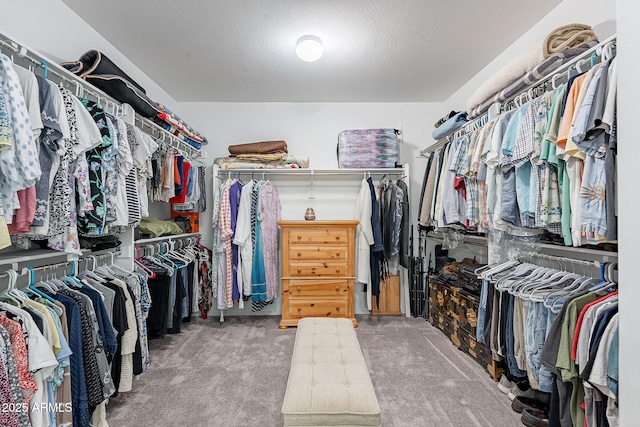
(55, 31)
(311, 129)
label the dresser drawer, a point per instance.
(316, 288)
(322, 236)
(317, 269)
(317, 253)
(328, 307)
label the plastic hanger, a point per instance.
(144, 269)
(495, 269)
(45, 299)
(35, 290)
(547, 283)
(88, 272)
(157, 262)
(44, 284)
(13, 276)
(522, 273)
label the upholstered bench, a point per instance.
(329, 382)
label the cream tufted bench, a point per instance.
(329, 382)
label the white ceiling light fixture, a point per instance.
(309, 48)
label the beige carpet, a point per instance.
(235, 374)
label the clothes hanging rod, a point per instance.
(166, 238)
(435, 147)
(471, 126)
(562, 260)
(482, 240)
(161, 135)
(314, 172)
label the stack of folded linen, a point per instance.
(261, 155)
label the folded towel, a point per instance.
(567, 36)
(454, 123)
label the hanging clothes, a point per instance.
(268, 216)
(547, 165)
(554, 328)
(405, 225)
(364, 238)
(242, 239)
(376, 257)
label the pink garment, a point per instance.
(268, 215)
(226, 233)
(23, 217)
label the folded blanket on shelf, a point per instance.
(541, 70)
(558, 40)
(263, 147)
(567, 36)
(262, 161)
(454, 123)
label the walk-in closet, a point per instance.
(288, 213)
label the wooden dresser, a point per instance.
(318, 270)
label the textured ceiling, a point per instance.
(375, 50)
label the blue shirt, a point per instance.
(79, 399)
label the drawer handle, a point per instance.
(337, 288)
(299, 271)
(299, 289)
(299, 253)
(337, 237)
(337, 270)
(299, 237)
(337, 308)
(337, 253)
(299, 309)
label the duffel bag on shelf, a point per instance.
(94, 67)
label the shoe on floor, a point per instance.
(520, 403)
(534, 418)
(505, 385)
(516, 391)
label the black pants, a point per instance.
(157, 319)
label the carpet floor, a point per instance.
(235, 374)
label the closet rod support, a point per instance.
(311, 195)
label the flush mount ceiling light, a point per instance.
(309, 48)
